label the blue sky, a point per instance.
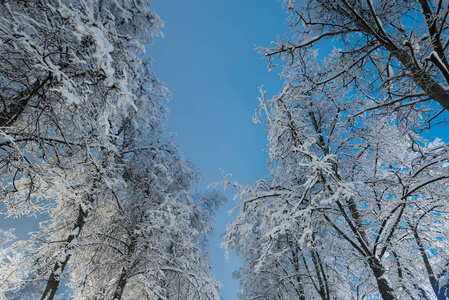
(208, 62)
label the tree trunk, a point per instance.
(58, 269)
(121, 285)
(123, 280)
(300, 289)
(385, 289)
(422, 78)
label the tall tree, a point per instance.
(82, 141)
(336, 217)
(352, 186)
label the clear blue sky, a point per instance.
(207, 60)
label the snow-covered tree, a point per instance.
(71, 77)
(354, 206)
(67, 96)
(151, 245)
(82, 142)
(395, 52)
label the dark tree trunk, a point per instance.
(385, 289)
(58, 269)
(124, 274)
(121, 285)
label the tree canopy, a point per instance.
(82, 142)
(355, 204)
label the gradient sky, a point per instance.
(208, 62)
